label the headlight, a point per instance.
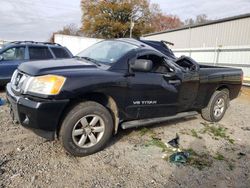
(47, 85)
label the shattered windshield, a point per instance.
(107, 52)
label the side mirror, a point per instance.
(1, 57)
(141, 65)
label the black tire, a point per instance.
(75, 116)
(208, 113)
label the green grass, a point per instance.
(144, 131)
(219, 157)
(158, 143)
(230, 163)
(154, 139)
(191, 152)
(203, 160)
(195, 134)
(216, 131)
(199, 161)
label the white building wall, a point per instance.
(231, 56)
(229, 33)
(75, 43)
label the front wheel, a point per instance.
(217, 106)
(86, 129)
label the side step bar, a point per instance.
(145, 122)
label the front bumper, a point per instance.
(41, 117)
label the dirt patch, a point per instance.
(133, 158)
(245, 93)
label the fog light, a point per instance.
(26, 121)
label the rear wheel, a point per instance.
(86, 129)
(217, 106)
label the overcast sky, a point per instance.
(37, 19)
(212, 8)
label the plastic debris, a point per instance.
(179, 157)
(2, 102)
(240, 155)
(175, 142)
(172, 148)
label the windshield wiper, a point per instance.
(91, 60)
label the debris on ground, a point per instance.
(245, 128)
(44, 163)
(186, 157)
(2, 170)
(189, 156)
(179, 157)
(2, 102)
(240, 155)
(175, 142)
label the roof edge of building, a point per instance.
(200, 25)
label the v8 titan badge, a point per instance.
(144, 102)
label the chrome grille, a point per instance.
(18, 81)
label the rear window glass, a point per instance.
(60, 53)
(37, 53)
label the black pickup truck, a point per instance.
(114, 84)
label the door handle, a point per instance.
(174, 81)
(168, 76)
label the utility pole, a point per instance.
(132, 24)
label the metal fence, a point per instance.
(233, 56)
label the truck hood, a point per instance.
(35, 68)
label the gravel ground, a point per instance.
(133, 158)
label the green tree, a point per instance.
(115, 18)
(161, 21)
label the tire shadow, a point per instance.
(2, 89)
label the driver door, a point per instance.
(153, 93)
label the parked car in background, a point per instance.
(14, 53)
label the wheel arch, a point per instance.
(224, 87)
(221, 87)
(101, 98)
(108, 102)
(212, 90)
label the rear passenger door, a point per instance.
(39, 53)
